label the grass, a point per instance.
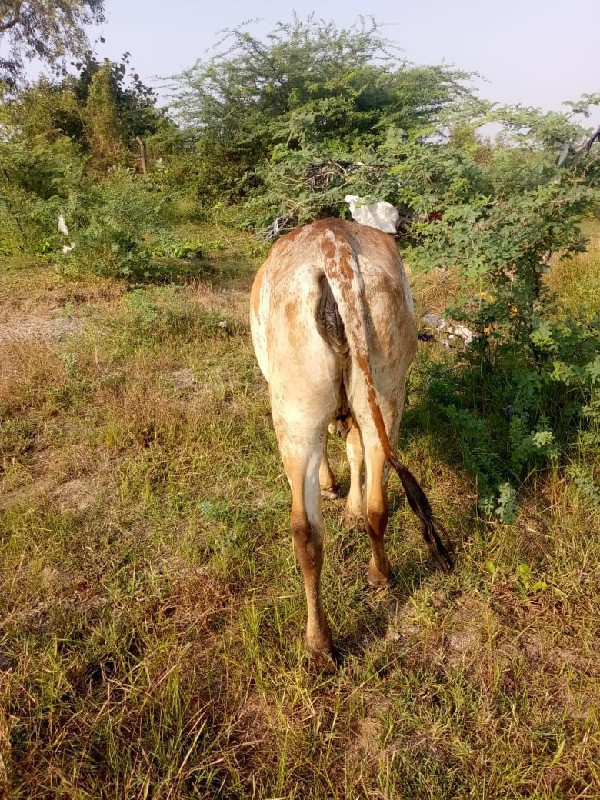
(576, 279)
(151, 609)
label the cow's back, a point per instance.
(285, 294)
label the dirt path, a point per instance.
(37, 327)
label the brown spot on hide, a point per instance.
(377, 520)
(328, 249)
(365, 367)
(293, 329)
(291, 313)
(289, 237)
(345, 262)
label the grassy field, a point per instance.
(151, 608)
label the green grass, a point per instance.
(151, 609)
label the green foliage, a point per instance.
(313, 89)
(101, 118)
(292, 124)
(27, 222)
(45, 31)
(103, 112)
(108, 222)
(584, 480)
(116, 108)
(516, 405)
(116, 226)
(493, 216)
(526, 582)
(34, 178)
(65, 148)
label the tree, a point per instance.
(131, 103)
(105, 111)
(311, 87)
(104, 129)
(45, 31)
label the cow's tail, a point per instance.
(341, 320)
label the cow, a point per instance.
(334, 334)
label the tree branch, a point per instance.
(16, 10)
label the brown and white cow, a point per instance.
(334, 334)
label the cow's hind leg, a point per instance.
(376, 481)
(377, 513)
(329, 487)
(302, 459)
(354, 512)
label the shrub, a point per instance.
(109, 223)
(34, 181)
(524, 394)
(514, 406)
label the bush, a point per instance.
(513, 407)
(109, 223)
(525, 392)
(34, 182)
(27, 222)
(311, 89)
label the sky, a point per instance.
(534, 52)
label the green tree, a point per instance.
(311, 88)
(105, 110)
(134, 102)
(57, 141)
(46, 31)
(103, 126)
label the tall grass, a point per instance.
(151, 609)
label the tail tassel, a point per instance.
(417, 500)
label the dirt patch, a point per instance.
(30, 292)
(560, 653)
(465, 633)
(76, 495)
(368, 735)
(34, 327)
(182, 378)
(232, 302)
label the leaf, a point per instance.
(593, 369)
(538, 586)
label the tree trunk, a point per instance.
(143, 158)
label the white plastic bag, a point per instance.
(381, 215)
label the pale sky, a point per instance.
(535, 52)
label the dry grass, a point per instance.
(151, 608)
(30, 291)
(576, 280)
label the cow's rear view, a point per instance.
(334, 334)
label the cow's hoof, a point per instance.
(353, 521)
(320, 650)
(330, 492)
(378, 579)
(325, 662)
